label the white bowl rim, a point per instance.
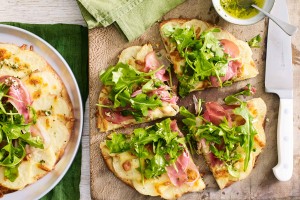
(268, 5)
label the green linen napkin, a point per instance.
(133, 17)
(71, 41)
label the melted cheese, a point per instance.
(55, 104)
(27, 62)
(45, 81)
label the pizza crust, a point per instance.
(247, 70)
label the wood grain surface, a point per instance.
(104, 46)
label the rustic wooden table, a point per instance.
(52, 12)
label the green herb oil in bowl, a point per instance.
(234, 9)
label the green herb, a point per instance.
(14, 135)
(254, 42)
(204, 57)
(123, 80)
(42, 161)
(233, 99)
(156, 147)
(225, 141)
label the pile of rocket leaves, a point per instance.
(231, 137)
(204, 57)
(14, 135)
(124, 80)
(156, 147)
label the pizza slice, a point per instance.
(230, 136)
(153, 160)
(135, 90)
(204, 55)
(36, 117)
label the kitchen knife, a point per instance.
(279, 80)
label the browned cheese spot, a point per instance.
(192, 175)
(35, 80)
(47, 123)
(17, 59)
(252, 109)
(54, 87)
(258, 141)
(37, 94)
(4, 54)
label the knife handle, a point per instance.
(284, 169)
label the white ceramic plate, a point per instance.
(267, 6)
(17, 36)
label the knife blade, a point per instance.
(279, 80)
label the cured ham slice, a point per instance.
(230, 48)
(217, 113)
(18, 95)
(152, 63)
(231, 72)
(184, 172)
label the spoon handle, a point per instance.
(286, 27)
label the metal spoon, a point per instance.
(286, 27)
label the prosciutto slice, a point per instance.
(19, 96)
(164, 94)
(231, 49)
(174, 127)
(152, 63)
(178, 175)
(115, 117)
(185, 171)
(212, 159)
(216, 113)
(232, 70)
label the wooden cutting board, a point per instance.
(104, 46)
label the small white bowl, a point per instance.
(267, 6)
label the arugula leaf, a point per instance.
(247, 130)
(11, 173)
(117, 144)
(123, 80)
(156, 147)
(254, 42)
(204, 56)
(233, 99)
(14, 135)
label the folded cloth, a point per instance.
(71, 41)
(133, 17)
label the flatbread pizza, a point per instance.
(36, 117)
(153, 160)
(135, 90)
(230, 136)
(204, 55)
